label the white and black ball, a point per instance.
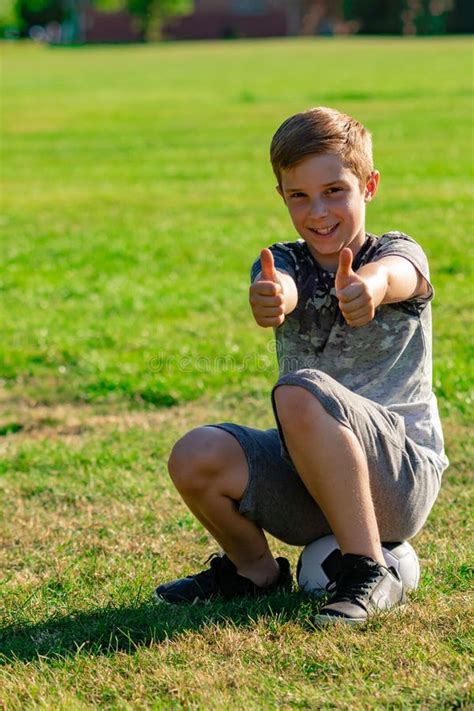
(320, 562)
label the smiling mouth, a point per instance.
(325, 231)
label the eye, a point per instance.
(331, 191)
(297, 195)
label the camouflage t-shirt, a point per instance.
(388, 360)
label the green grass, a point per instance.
(139, 188)
(137, 193)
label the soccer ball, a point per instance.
(320, 562)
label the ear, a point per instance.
(371, 185)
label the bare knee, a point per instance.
(200, 458)
(297, 408)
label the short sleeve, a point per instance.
(285, 260)
(397, 244)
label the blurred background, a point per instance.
(98, 21)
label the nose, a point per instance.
(318, 207)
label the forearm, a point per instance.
(393, 279)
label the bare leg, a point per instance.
(209, 469)
(333, 467)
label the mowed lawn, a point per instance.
(136, 193)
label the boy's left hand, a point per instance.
(358, 296)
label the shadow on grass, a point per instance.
(109, 630)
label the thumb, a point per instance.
(268, 265)
(344, 274)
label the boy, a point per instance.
(358, 449)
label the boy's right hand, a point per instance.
(266, 294)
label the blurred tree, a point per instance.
(152, 13)
(38, 12)
(423, 17)
(8, 17)
(430, 16)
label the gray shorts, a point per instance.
(404, 481)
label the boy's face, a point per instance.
(327, 205)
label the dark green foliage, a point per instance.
(42, 12)
(387, 16)
(382, 17)
(428, 23)
(39, 12)
(461, 18)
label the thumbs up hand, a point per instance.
(268, 266)
(354, 292)
(266, 294)
(344, 275)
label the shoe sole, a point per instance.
(161, 600)
(157, 599)
(326, 620)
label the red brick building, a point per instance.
(97, 26)
(218, 19)
(212, 19)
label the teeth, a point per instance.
(325, 231)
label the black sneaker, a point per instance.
(362, 587)
(221, 579)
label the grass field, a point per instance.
(137, 192)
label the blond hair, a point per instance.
(322, 130)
